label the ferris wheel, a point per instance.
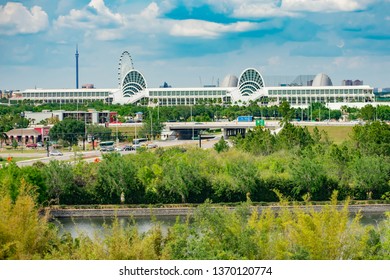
(125, 65)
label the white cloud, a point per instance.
(150, 12)
(95, 15)
(274, 61)
(278, 8)
(103, 24)
(261, 9)
(199, 28)
(17, 19)
(325, 5)
(356, 62)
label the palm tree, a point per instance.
(3, 137)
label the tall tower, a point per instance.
(77, 66)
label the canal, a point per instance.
(96, 225)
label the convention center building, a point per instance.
(247, 88)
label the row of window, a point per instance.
(318, 91)
(187, 101)
(66, 94)
(65, 101)
(155, 93)
(314, 99)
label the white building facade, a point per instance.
(249, 87)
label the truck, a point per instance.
(245, 118)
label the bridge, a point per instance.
(190, 130)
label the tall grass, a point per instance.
(211, 233)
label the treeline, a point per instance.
(218, 233)
(206, 110)
(294, 163)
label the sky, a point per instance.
(192, 43)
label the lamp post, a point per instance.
(47, 147)
(319, 114)
(151, 126)
(135, 130)
(117, 138)
(192, 124)
(22, 116)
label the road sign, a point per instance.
(260, 123)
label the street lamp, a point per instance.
(22, 116)
(192, 124)
(117, 139)
(151, 126)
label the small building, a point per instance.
(25, 136)
(89, 117)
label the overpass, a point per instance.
(190, 130)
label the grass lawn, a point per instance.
(337, 134)
(16, 159)
(21, 151)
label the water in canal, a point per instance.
(92, 225)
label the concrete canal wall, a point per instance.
(182, 211)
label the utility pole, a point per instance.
(117, 139)
(22, 122)
(85, 130)
(151, 126)
(192, 124)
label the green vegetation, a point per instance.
(69, 131)
(294, 165)
(216, 233)
(336, 134)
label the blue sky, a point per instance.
(192, 43)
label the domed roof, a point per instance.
(322, 80)
(229, 81)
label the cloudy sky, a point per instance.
(192, 43)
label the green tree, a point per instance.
(221, 145)
(152, 125)
(117, 175)
(14, 144)
(368, 112)
(309, 177)
(293, 136)
(68, 130)
(258, 141)
(371, 174)
(286, 111)
(372, 138)
(99, 132)
(59, 181)
(3, 137)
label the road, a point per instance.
(91, 156)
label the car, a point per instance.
(137, 146)
(152, 146)
(107, 149)
(128, 148)
(55, 153)
(31, 145)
